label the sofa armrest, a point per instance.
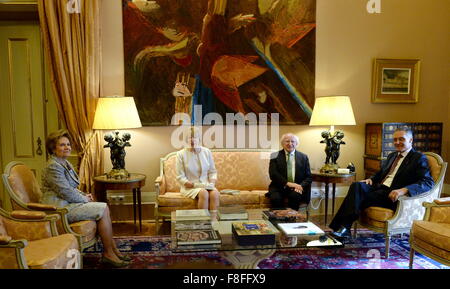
(41, 207)
(160, 185)
(5, 239)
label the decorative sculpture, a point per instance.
(117, 146)
(333, 142)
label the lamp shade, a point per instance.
(332, 110)
(116, 113)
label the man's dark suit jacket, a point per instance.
(413, 173)
(278, 171)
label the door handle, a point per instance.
(39, 147)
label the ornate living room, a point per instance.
(139, 134)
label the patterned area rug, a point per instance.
(364, 252)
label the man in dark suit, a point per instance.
(290, 174)
(405, 172)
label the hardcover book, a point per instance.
(300, 229)
(198, 214)
(197, 237)
(232, 213)
(285, 215)
(193, 225)
(253, 233)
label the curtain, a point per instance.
(72, 44)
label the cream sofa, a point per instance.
(243, 170)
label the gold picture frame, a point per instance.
(396, 81)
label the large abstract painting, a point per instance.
(229, 56)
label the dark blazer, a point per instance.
(413, 174)
(278, 171)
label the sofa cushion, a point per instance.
(88, 229)
(243, 171)
(235, 170)
(172, 199)
(51, 253)
(435, 234)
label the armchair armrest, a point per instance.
(28, 215)
(435, 212)
(160, 185)
(443, 201)
(12, 253)
(41, 207)
(408, 210)
(5, 239)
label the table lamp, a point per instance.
(332, 110)
(114, 113)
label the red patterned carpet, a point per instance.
(360, 253)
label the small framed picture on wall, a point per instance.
(395, 81)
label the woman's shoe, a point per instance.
(114, 263)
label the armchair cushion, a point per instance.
(88, 229)
(379, 214)
(51, 253)
(440, 214)
(443, 201)
(24, 184)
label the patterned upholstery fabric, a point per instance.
(27, 230)
(435, 234)
(440, 215)
(430, 248)
(24, 184)
(378, 213)
(245, 171)
(8, 259)
(51, 253)
(88, 229)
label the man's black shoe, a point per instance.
(342, 233)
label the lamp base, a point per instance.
(118, 174)
(329, 168)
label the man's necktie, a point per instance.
(394, 164)
(289, 169)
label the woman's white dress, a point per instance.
(197, 168)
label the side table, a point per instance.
(328, 179)
(134, 182)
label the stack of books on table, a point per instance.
(250, 233)
(232, 213)
(196, 234)
(190, 215)
(284, 215)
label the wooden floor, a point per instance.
(127, 228)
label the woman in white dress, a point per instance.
(197, 173)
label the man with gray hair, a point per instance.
(290, 173)
(405, 172)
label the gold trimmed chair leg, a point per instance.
(411, 258)
(388, 241)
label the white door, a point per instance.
(22, 97)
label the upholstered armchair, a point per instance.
(29, 240)
(388, 222)
(25, 193)
(431, 236)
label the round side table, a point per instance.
(134, 182)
